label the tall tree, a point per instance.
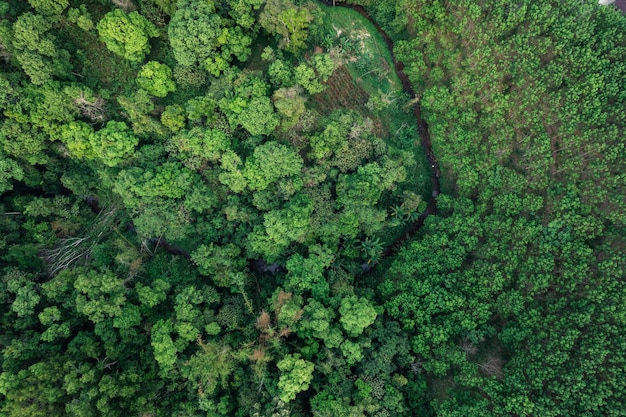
(127, 34)
(290, 22)
(36, 49)
(200, 36)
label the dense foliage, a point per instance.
(521, 277)
(199, 201)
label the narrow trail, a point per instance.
(422, 128)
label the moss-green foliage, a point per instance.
(356, 315)
(81, 17)
(49, 7)
(269, 163)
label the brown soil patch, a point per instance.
(342, 92)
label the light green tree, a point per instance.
(127, 35)
(243, 11)
(36, 51)
(290, 223)
(290, 22)
(259, 117)
(324, 65)
(164, 349)
(306, 77)
(351, 351)
(222, 263)
(308, 273)
(316, 320)
(281, 73)
(198, 145)
(269, 163)
(232, 174)
(174, 117)
(76, 136)
(100, 295)
(295, 376)
(357, 313)
(156, 78)
(81, 17)
(113, 143)
(49, 7)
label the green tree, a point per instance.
(351, 351)
(290, 22)
(113, 143)
(210, 367)
(295, 376)
(290, 105)
(199, 145)
(49, 7)
(306, 77)
(281, 74)
(356, 314)
(174, 117)
(34, 391)
(127, 34)
(317, 322)
(165, 352)
(308, 273)
(269, 163)
(243, 11)
(259, 117)
(81, 17)
(324, 65)
(156, 78)
(222, 263)
(281, 227)
(77, 137)
(23, 141)
(232, 174)
(100, 295)
(36, 49)
(9, 171)
(138, 108)
(200, 36)
(168, 6)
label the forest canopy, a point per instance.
(234, 208)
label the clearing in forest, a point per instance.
(366, 82)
